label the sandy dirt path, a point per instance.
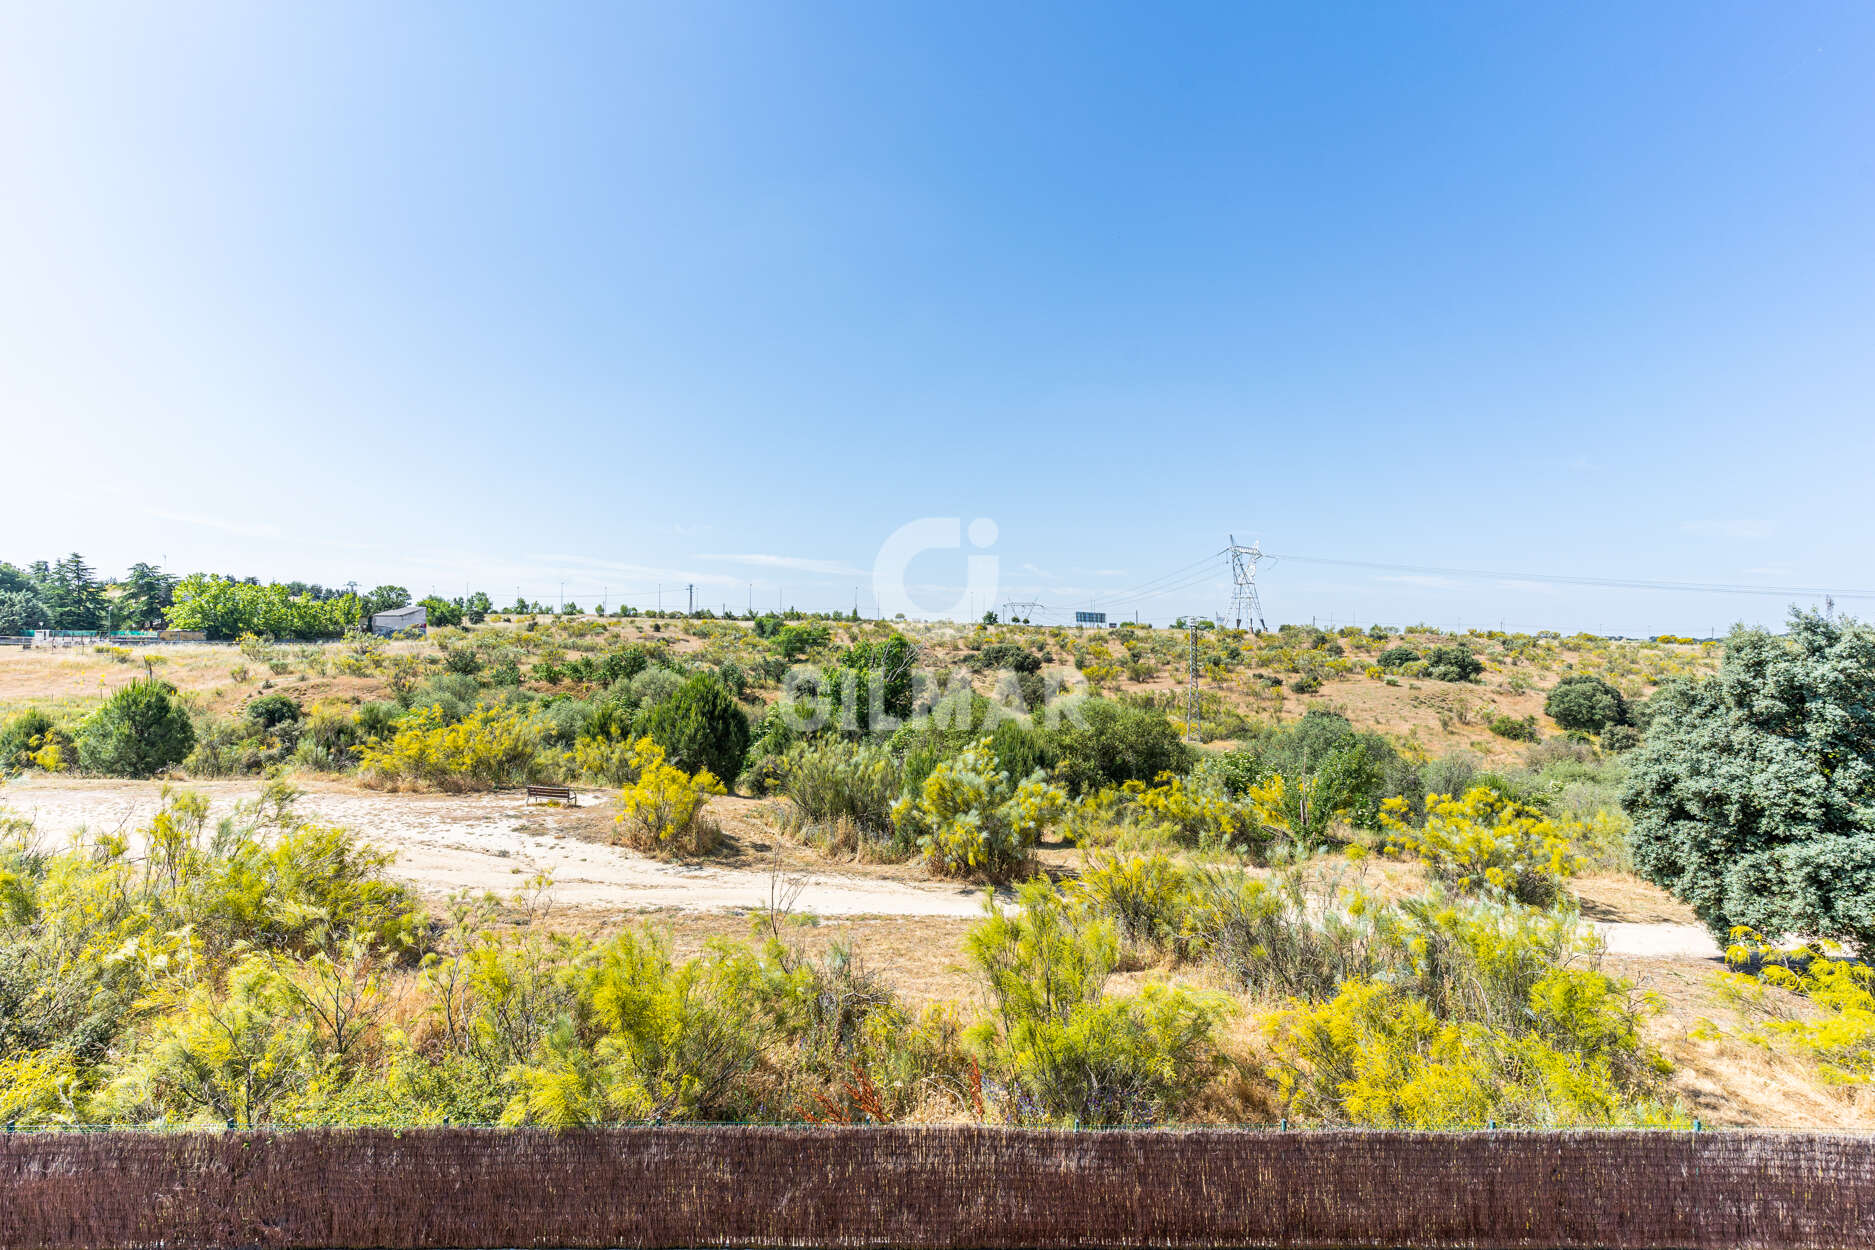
(449, 842)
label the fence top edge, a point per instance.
(1010, 1132)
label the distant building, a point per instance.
(397, 620)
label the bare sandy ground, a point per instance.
(447, 842)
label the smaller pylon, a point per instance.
(1192, 709)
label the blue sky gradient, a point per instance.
(627, 295)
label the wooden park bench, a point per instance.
(563, 794)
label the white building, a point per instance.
(397, 620)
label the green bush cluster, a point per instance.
(1453, 663)
(1586, 703)
(141, 730)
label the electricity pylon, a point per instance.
(1245, 606)
(1193, 707)
(1025, 607)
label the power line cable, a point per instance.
(1134, 591)
(1613, 583)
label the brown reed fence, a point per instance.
(936, 1187)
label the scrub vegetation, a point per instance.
(1358, 891)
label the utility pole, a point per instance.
(693, 598)
(1191, 703)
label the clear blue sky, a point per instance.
(726, 293)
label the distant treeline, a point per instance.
(70, 594)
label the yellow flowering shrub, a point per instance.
(1145, 896)
(1378, 1056)
(1173, 809)
(969, 817)
(1200, 817)
(607, 759)
(485, 750)
(39, 1087)
(662, 811)
(1455, 1015)
(1842, 1039)
(1484, 842)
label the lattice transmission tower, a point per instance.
(1194, 708)
(1245, 606)
(1025, 608)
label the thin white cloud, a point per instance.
(1519, 583)
(240, 528)
(1734, 528)
(799, 564)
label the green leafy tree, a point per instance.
(441, 611)
(383, 599)
(1753, 796)
(146, 594)
(700, 726)
(795, 641)
(73, 596)
(476, 608)
(225, 608)
(1101, 742)
(1584, 702)
(1453, 663)
(1332, 771)
(872, 686)
(270, 711)
(22, 611)
(1618, 738)
(139, 731)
